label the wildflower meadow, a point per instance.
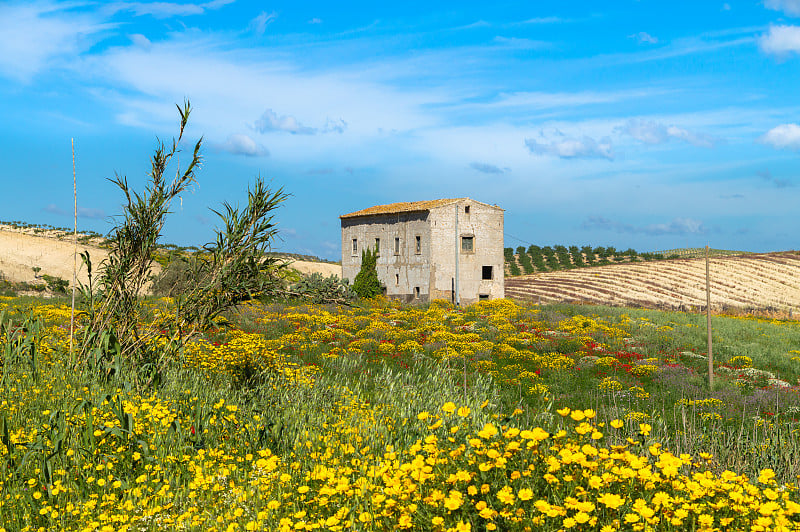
(498, 416)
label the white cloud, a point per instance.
(678, 226)
(543, 20)
(549, 100)
(651, 132)
(334, 126)
(83, 212)
(571, 148)
(270, 121)
(790, 7)
(644, 37)
(781, 40)
(487, 168)
(166, 9)
(34, 35)
(517, 43)
(141, 41)
(260, 23)
(92, 213)
(315, 20)
(785, 136)
(239, 144)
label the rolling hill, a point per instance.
(753, 281)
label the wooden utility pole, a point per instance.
(75, 252)
(708, 325)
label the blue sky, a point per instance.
(641, 124)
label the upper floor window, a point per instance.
(355, 246)
(418, 246)
(467, 244)
(466, 209)
(377, 247)
(397, 245)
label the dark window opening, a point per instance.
(486, 274)
(416, 292)
(418, 248)
(483, 297)
(397, 278)
(355, 246)
(377, 247)
(466, 209)
(397, 245)
(467, 244)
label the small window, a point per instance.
(416, 292)
(397, 279)
(397, 245)
(377, 247)
(418, 248)
(355, 246)
(467, 244)
(486, 273)
(483, 297)
(466, 209)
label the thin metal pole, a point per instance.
(75, 252)
(708, 326)
(458, 294)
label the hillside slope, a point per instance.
(21, 251)
(755, 281)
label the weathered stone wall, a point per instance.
(400, 272)
(432, 270)
(485, 224)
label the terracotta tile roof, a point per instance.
(403, 206)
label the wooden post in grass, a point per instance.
(708, 326)
(75, 252)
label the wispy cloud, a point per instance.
(544, 20)
(33, 35)
(271, 121)
(785, 137)
(141, 41)
(240, 144)
(83, 212)
(166, 9)
(315, 20)
(567, 147)
(260, 23)
(790, 7)
(767, 176)
(781, 40)
(550, 100)
(518, 43)
(334, 126)
(92, 213)
(487, 168)
(678, 226)
(651, 132)
(644, 37)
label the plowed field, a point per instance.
(755, 281)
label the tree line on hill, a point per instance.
(536, 259)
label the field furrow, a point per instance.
(747, 281)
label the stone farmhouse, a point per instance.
(440, 249)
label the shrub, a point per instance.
(232, 269)
(319, 289)
(366, 284)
